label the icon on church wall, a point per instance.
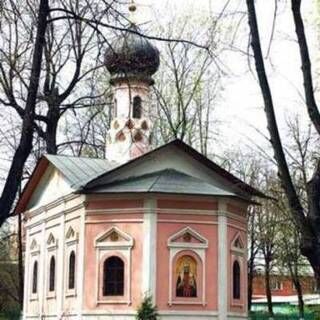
(186, 270)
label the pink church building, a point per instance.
(101, 234)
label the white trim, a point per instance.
(60, 280)
(26, 275)
(222, 264)
(187, 221)
(47, 218)
(82, 263)
(202, 313)
(236, 227)
(44, 208)
(42, 278)
(71, 246)
(149, 248)
(169, 211)
(114, 221)
(101, 255)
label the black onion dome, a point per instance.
(132, 56)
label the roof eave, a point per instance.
(27, 191)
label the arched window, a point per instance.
(113, 277)
(72, 267)
(115, 108)
(137, 108)
(52, 274)
(236, 280)
(35, 277)
(186, 269)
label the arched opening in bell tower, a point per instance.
(137, 107)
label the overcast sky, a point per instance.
(241, 106)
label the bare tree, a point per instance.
(42, 64)
(187, 86)
(306, 220)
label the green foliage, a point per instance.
(147, 311)
(266, 316)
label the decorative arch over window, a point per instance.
(137, 107)
(51, 240)
(113, 276)
(236, 280)
(186, 272)
(72, 269)
(35, 278)
(52, 274)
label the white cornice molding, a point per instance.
(168, 211)
(30, 213)
(47, 217)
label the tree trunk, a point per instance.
(20, 260)
(305, 65)
(268, 289)
(51, 131)
(250, 281)
(25, 144)
(297, 284)
(310, 233)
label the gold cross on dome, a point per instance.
(132, 10)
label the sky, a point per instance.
(241, 107)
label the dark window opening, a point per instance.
(113, 277)
(115, 107)
(35, 277)
(72, 266)
(137, 107)
(236, 280)
(52, 274)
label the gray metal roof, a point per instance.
(165, 181)
(80, 170)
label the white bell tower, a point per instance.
(131, 61)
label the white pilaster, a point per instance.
(60, 266)
(80, 265)
(42, 285)
(26, 275)
(222, 262)
(149, 248)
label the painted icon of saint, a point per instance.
(186, 282)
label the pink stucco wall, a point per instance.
(92, 230)
(169, 224)
(169, 221)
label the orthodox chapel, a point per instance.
(102, 234)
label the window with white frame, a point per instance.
(113, 267)
(237, 262)
(34, 269)
(71, 242)
(52, 245)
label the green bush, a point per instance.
(147, 311)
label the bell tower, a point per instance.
(131, 61)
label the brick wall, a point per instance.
(282, 285)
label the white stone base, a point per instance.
(163, 315)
